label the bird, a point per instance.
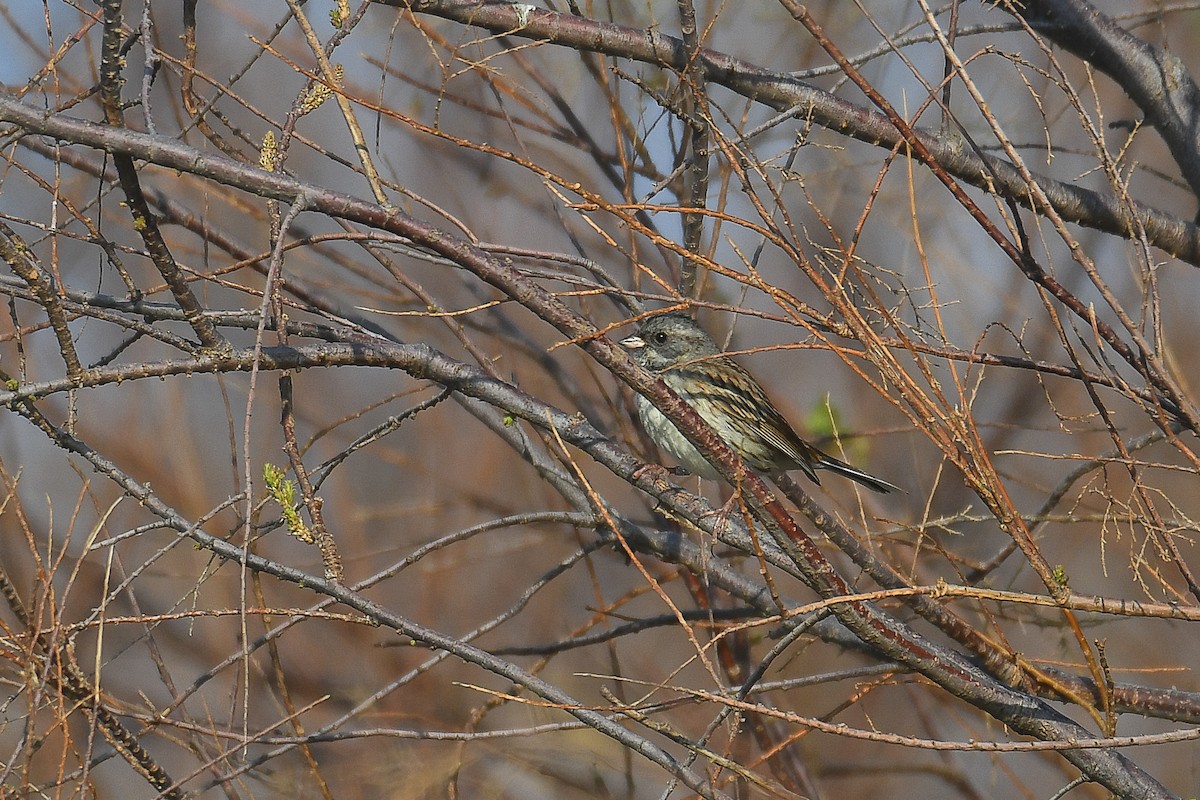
(727, 397)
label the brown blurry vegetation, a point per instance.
(319, 471)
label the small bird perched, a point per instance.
(729, 399)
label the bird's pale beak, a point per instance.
(633, 343)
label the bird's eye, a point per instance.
(659, 338)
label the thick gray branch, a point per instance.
(784, 92)
(1154, 79)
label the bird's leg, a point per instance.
(657, 475)
(722, 513)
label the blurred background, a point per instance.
(880, 314)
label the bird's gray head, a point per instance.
(667, 340)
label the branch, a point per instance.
(1157, 80)
(407, 628)
(945, 667)
(783, 92)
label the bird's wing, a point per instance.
(771, 425)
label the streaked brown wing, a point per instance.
(740, 399)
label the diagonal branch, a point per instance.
(1156, 79)
(782, 91)
(945, 667)
(143, 221)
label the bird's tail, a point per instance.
(857, 475)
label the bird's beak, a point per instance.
(633, 343)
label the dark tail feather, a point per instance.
(857, 475)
